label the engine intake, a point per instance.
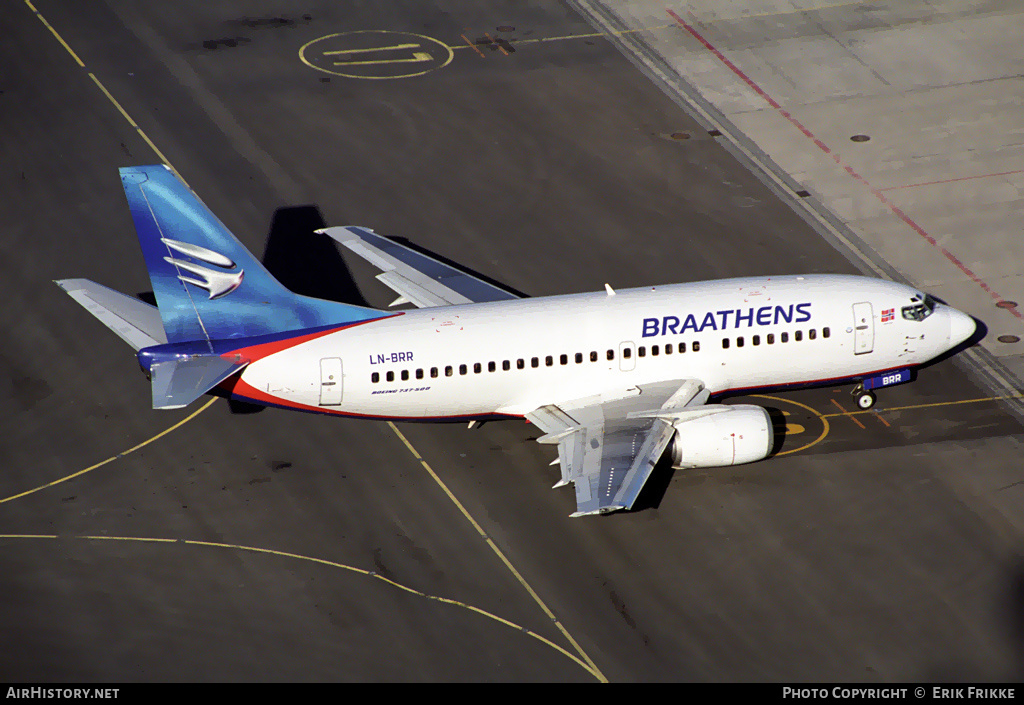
(739, 434)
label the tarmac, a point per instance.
(226, 543)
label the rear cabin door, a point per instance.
(863, 329)
(330, 381)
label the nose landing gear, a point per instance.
(862, 397)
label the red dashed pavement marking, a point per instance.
(824, 148)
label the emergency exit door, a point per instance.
(330, 381)
(863, 329)
(626, 361)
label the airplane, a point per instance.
(612, 378)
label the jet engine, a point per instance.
(732, 435)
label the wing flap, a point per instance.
(424, 281)
(608, 447)
(417, 294)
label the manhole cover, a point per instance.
(1007, 304)
(1008, 339)
(859, 138)
(680, 135)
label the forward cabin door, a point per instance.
(330, 381)
(863, 329)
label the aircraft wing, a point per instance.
(607, 447)
(418, 279)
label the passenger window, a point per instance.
(448, 371)
(739, 342)
(506, 365)
(419, 374)
(549, 361)
(696, 346)
(405, 375)
(654, 350)
(390, 377)
(682, 347)
(535, 362)
(579, 358)
(611, 354)
(433, 372)
(476, 368)
(771, 339)
(462, 369)
(627, 353)
(668, 349)
(564, 359)
(593, 355)
(756, 340)
(824, 332)
(641, 351)
(520, 364)
(491, 367)
(812, 334)
(798, 336)
(375, 377)
(725, 342)
(783, 337)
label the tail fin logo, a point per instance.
(217, 283)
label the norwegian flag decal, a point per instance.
(888, 314)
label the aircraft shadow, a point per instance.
(661, 477)
(305, 261)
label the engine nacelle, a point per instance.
(738, 434)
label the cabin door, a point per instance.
(330, 381)
(863, 329)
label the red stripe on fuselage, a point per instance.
(253, 353)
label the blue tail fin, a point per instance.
(207, 285)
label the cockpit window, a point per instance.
(920, 309)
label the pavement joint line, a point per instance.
(321, 561)
(982, 365)
(494, 547)
(951, 181)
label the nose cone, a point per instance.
(961, 327)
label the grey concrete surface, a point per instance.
(903, 119)
(873, 547)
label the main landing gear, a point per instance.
(863, 398)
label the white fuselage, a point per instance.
(511, 357)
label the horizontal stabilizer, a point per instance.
(136, 322)
(178, 383)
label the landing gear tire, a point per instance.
(864, 399)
